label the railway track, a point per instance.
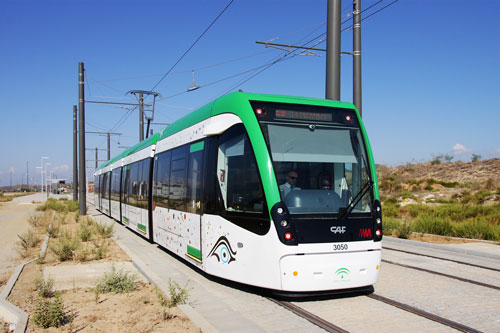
(330, 327)
(440, 258)
(482, 284)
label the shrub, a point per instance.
(178, 295)
(390, 225)
(100, 250)
(105, 230)
(117, 282)
(391, 200)
(51, 314)
(408, 195)
(480, 196)
(34, 220)
(45, 288)
(432, 224)
(66, 246)
(85, 232)
(477, 229)
(404, 230)
(28, 240)
(390, 211)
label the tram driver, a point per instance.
(290, 184)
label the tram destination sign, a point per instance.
(302, 115)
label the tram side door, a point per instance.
(194, 177)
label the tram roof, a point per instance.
(236, 102)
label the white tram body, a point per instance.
(180, 190)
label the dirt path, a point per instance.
(13, 222)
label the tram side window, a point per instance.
(96, 184)
(194, 177)
(133, 183)
(143, 183)
(104, 186)
(237, 173)
(177, 192)
(125, 183)
(115, 184)
(162, 179)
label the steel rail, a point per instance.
(443, 274)
(309, 316)
(423, 313)
(446, 259)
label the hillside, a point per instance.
(478, 172)
(465, 182)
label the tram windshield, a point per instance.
(321, 167)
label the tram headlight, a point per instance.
(280, 211)
(284, 223)
(379, 220)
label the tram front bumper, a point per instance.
(329, 271)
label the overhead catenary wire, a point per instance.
(192, 45)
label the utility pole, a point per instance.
(81, 113)
(27, 176)
(141, 117)
(96, 156)
(333, 50)
(108, 134)
(140, 94)
(356, 43)
(75, 153)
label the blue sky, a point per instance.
(430, 71)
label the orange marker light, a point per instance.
(295, 273)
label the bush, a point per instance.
(66, 246)
(480, 196)
(45, 288)
(34, 220)
(404, 230)
(390, 225)
(178, 295)
(59, 205)
(51, 314)
(85, 232)
(390, 211)
(432, 224)
(28, 240)
(479, 229)
(117, 282)
(105, 230)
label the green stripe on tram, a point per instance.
(194, 252)
(196, 147)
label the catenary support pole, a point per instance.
(83, 170)
(332, 89)
(356, 43)
(109, 146)
(96, 158)
(75, 153)
(141, 117)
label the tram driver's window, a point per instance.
(237, 173)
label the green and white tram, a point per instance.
(272, 191)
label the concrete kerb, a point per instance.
(8, 311)
(442, 247)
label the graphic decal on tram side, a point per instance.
(222, 251)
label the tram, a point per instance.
(271, 191)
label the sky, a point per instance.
(429, 72)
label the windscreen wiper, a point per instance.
(344, 212)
